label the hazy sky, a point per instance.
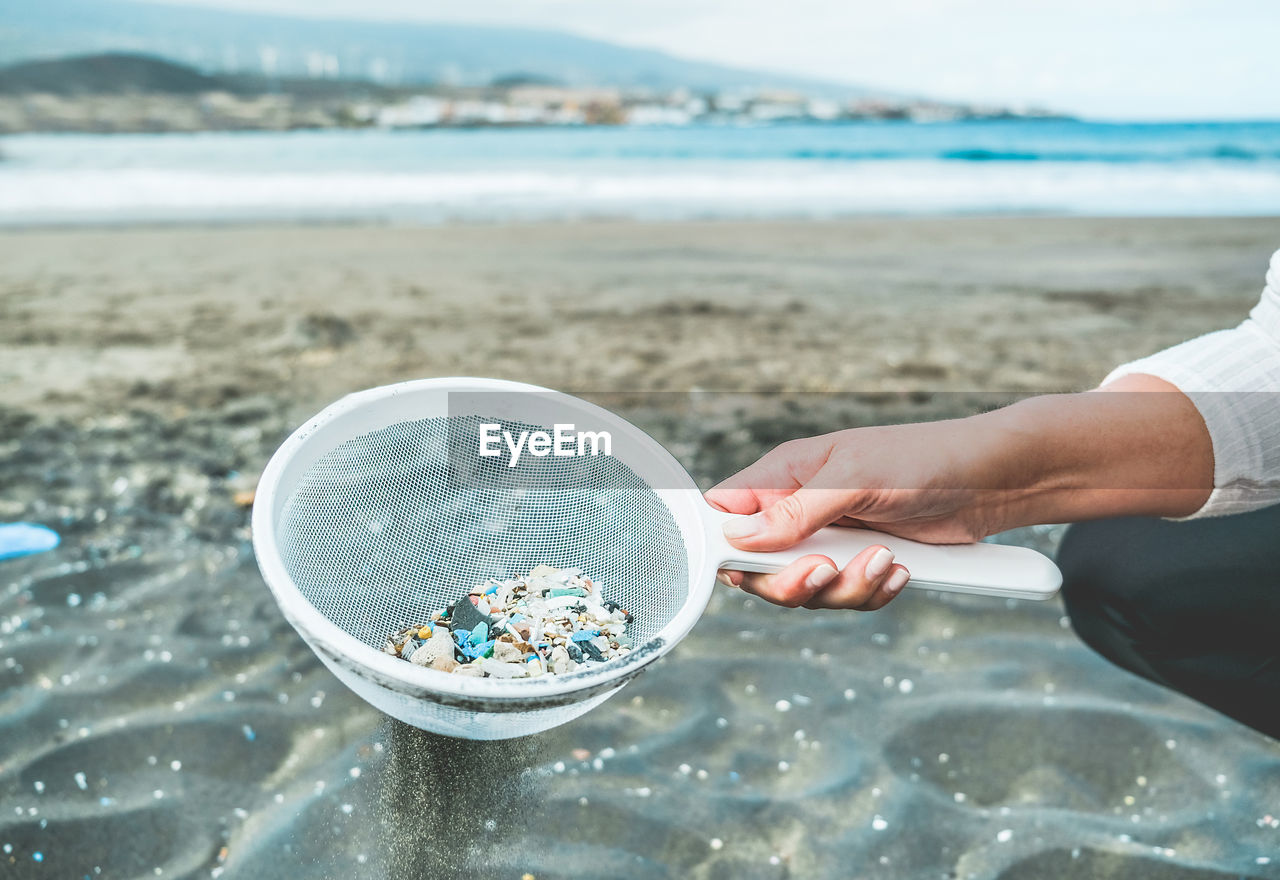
(1107, 58)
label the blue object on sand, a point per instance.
(23, 539)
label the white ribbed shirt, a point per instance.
(1233, 377)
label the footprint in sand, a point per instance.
(1066, 758)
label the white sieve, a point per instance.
(382, 509)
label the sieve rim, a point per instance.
(372, 664)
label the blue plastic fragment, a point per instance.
(584, 635)
(568, 591)
(516, 618)
(23, 539)
(491, 589)
(479, 634)
(473, 651)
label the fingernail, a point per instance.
(743, 526)
(896, 582)
(821, 576)
(723, 578)
(879, 563)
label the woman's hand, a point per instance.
(916, 481)
(1055, 458)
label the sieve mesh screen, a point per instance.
(394, 524)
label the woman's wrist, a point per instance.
(1123, 451)
(1007, 480)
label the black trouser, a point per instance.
(1194, 606)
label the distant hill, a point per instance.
(218, 42)
(124, 73)
(106, 74)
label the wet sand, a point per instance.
(183, 319)
(160, 714)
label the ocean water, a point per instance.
(1019, 167)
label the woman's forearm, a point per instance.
(1137, 447)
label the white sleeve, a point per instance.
(1233, 377)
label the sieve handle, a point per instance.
(979, 569)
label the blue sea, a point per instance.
(775, 171)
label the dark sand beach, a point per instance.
(158, 717)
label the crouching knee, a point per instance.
(1108, 600)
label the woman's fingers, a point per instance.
(889, 587)
(754, 488)
(858, 581)
(730, 578)
(792, 587)
(771, 478)
(825, 498)
(868, 583)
